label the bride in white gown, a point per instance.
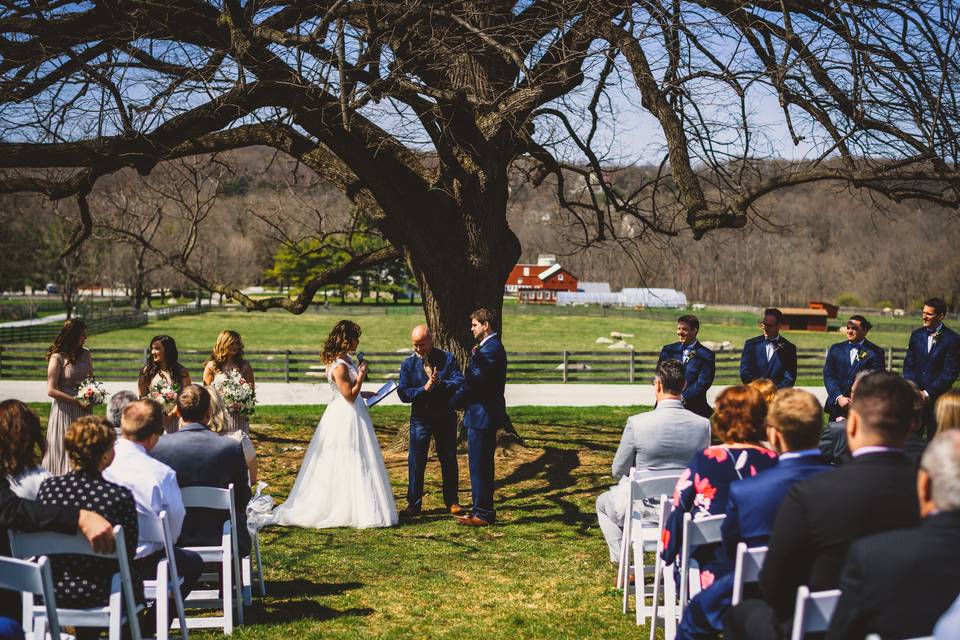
(343, 481)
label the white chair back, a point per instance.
(208, 497)
(696, 533)
(747, 569)
(32, 578)
(813, 611)
(26, 545)
(157, 530)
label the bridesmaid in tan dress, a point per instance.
(227, 356)
(163, 363)
(68, 364)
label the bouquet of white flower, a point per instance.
(165, 393)
(91, 393)
(237, 393)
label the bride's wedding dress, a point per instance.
(343, 481)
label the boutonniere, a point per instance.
(476, 348)
(777, 346)
(937, 334)
(863, 355)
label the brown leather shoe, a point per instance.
(456, 509)
(473, 521)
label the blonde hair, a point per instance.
(798, 416)
(766, 387)
(218, 411)
(86, 440)
(221, 349)
(947, 411)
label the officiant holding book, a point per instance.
(428, 379)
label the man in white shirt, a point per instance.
(154, 487)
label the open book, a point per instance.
(382, 393)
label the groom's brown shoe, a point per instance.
(456, 509)
(473, 521)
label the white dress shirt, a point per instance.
(930, 337)
(487, 338)
(855, 348)
(771, 346)
(153, 484)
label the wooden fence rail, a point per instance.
(19, 362)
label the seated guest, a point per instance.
(218, 420)
(20, 451)
(115, 406)
(154, 487)
(948, 626)
(766, 387)
(947, 410)
(875, 596)
(202, 458)
(84, 581)
(794, 421)
(20, 443)
(822, 515)
(705, 484)
(665, 438)
(771, 355)
(845, 361)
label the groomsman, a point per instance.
(699, 364)
(481, 395)
(428, 379)
(845, 361)
(769, 356)
(933, 359)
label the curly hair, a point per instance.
(221, 348)
(67, 341)
(86, 440)
(20, 438)
(171, 356)
(766, 387)
(738, 415)
(341, 337)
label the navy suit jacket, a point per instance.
(698, 372)
(203, 458)
(839, 375)
(933, 372)
(781, 368)
(753, 502)
(430, 405)
(481, 393)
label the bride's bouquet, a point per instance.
(91, 392)
(165, 393)
(236, 392)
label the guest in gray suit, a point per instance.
(202, 458)
(665, 438)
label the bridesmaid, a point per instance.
(227, 356)
(163, 363)
(68, 364)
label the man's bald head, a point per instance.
(422, 340)
(142, 419)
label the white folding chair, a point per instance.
(33, 578)
(747, 569)
(663, 575)
(258, 564)
(229, 596)
(696, 533)
(640, 537)
(167, 580)
(813, 611)
(121, 607)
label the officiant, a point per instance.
(428, 379)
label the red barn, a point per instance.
(539, 283)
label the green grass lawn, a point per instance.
(541, 572)
(522, 332)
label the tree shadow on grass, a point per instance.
(300, 588)
(291, 600)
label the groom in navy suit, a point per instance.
(481, 395)
(428, 379)
(698, 362)
(845, 361)
(769, 356)
(933, 359)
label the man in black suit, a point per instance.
(699, 365)
(932, 361)
(878, 568)
(771, 355)
(822, 515)
(202, 458)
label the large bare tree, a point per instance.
(417, 109)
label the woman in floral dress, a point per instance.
(163, 370)
(227, 359)
(703, 488)
(68, 364)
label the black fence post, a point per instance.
(286, 366)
